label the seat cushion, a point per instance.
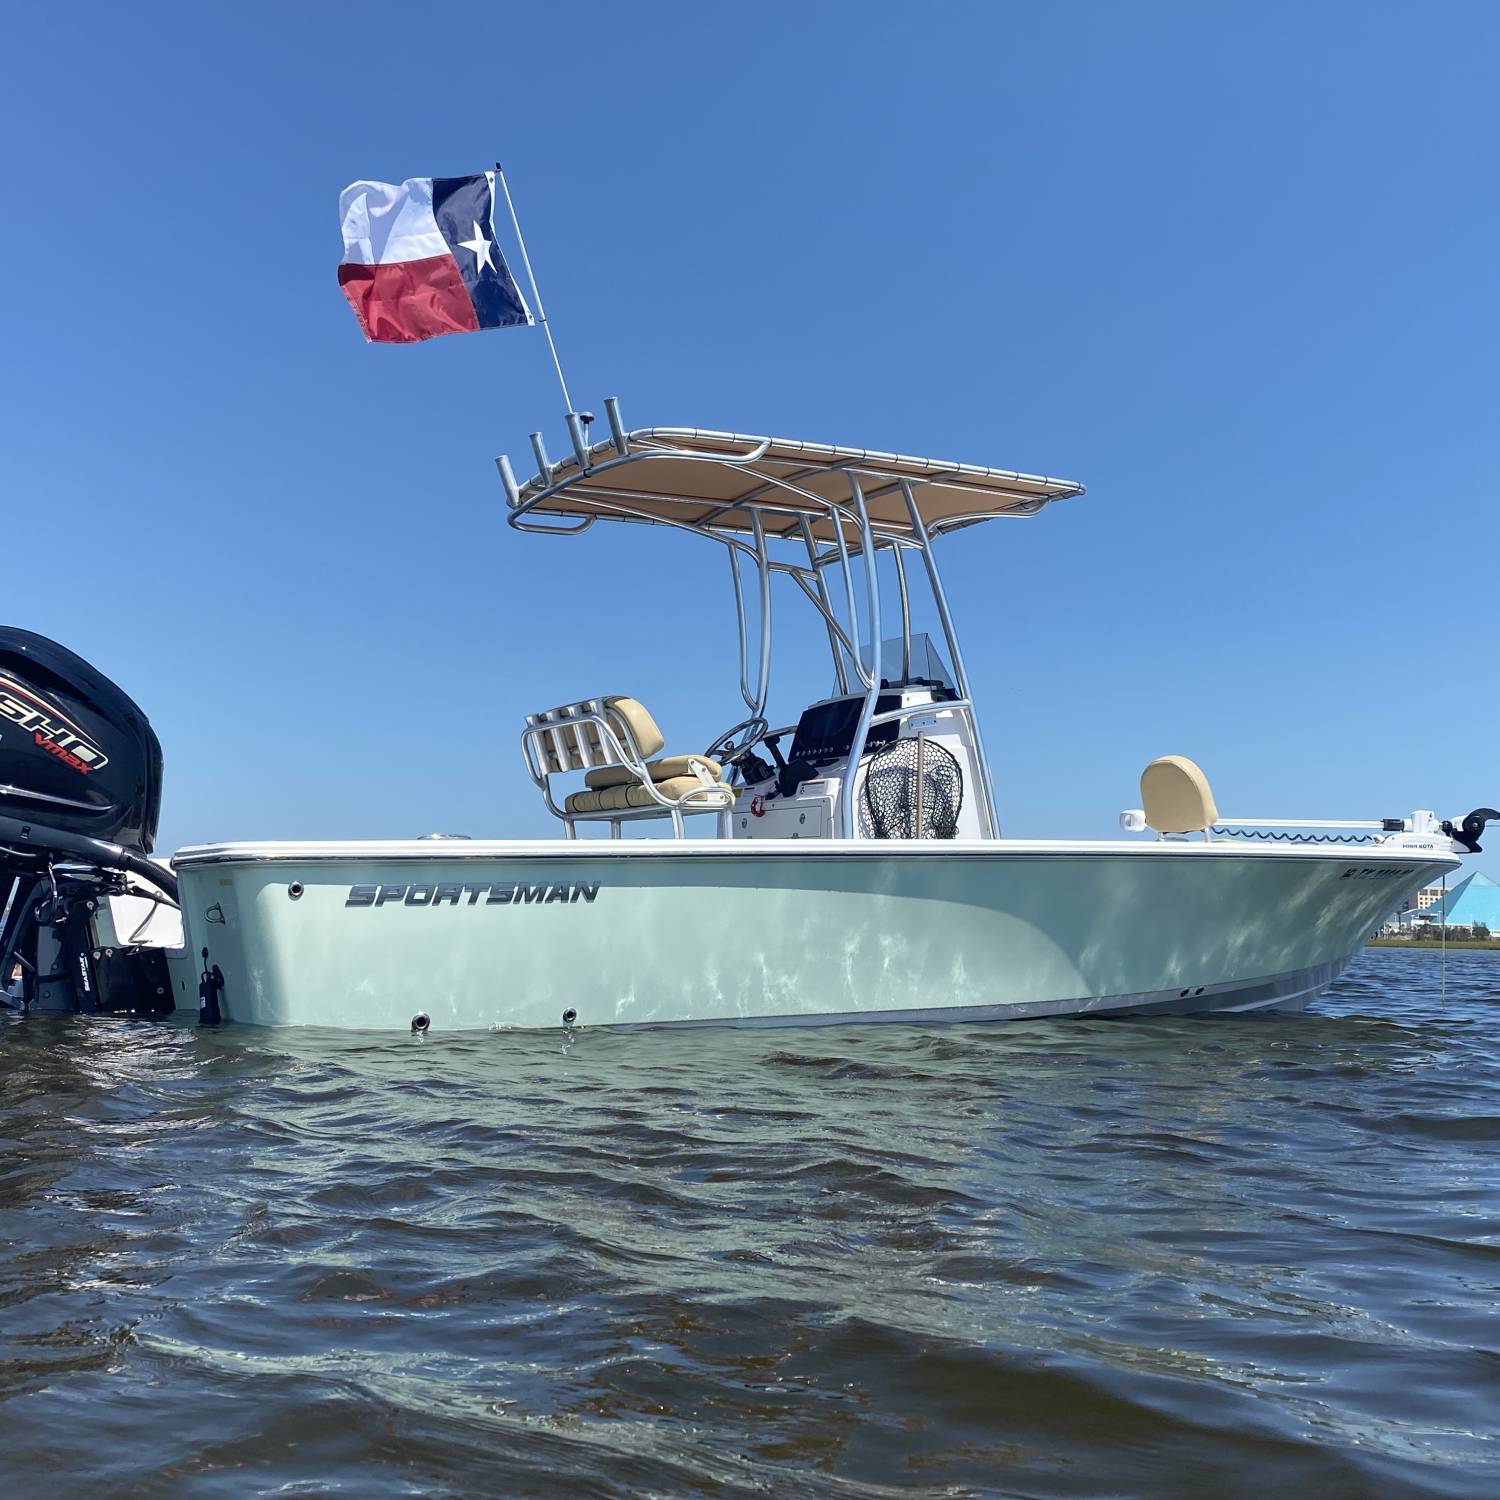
(677, 786)
(642, 726)
(621, 798)
(1176, 796)
(628, 718)
(664, 769)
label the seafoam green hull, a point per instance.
(657, 933)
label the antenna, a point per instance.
(575, 419)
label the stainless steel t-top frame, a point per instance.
(829, 504)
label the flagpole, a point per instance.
(536, 291)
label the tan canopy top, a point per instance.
(713, 480)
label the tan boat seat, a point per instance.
(628, 718)
(665, 769)
(611, 740)
(619, 798)
(1176, 796)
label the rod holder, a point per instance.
(543, 463)
(616, 426)
(580, 442)
(508, 480)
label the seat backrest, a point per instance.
(1176, 796)
(560, 749)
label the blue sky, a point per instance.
(1231, 266)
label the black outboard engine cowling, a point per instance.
(75, 752)
(80, 792)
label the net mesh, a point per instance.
(890, 807)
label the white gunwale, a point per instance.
(443, 851)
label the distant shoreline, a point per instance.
(1434, 943)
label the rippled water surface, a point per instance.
(1162, 1257)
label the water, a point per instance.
(1159, 1258)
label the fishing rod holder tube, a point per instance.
(508, 480)
(580, 442)
(616, 426)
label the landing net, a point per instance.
(913, 790)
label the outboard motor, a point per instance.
(80, 791)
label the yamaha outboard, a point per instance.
(80, 790)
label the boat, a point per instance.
(847, 866)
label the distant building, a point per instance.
(1424, 906)
(1474, 901)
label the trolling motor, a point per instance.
(1469, 830)
(80, 791)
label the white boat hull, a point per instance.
(651, 933)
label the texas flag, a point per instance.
(421, 259)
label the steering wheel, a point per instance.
(738, 741)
